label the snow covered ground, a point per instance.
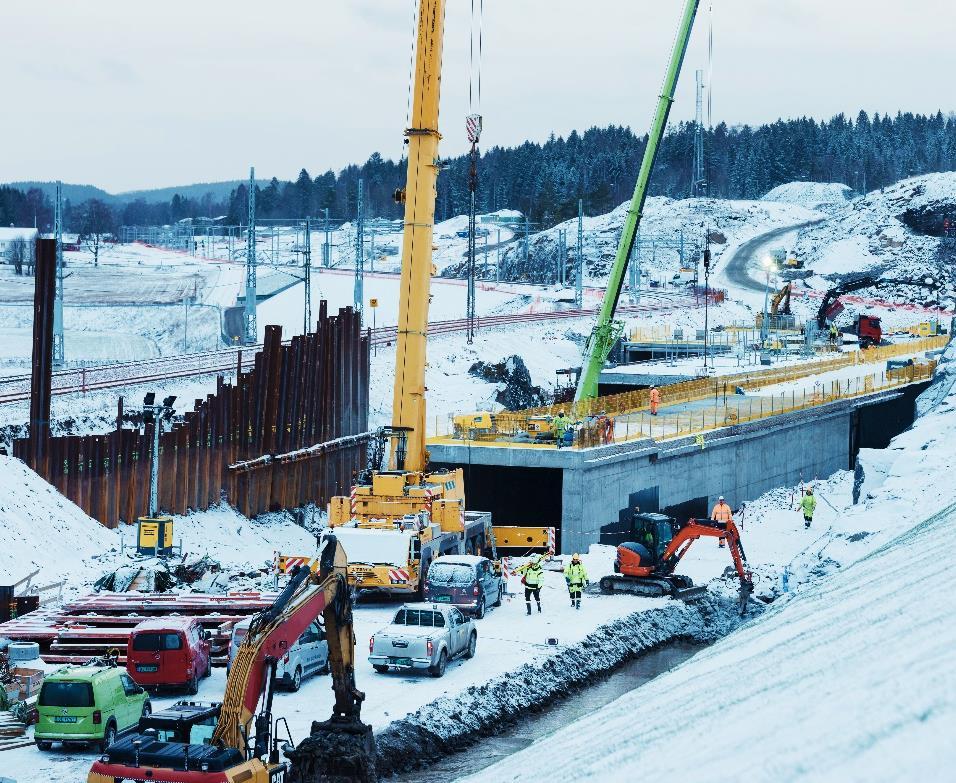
(822, 196)
(880, 233)
(847, 677)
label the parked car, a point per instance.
(470, 582)
(423, 636)
(91, 703)
(308, 656)
(169, 652)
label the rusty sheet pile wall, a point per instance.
(290, 431)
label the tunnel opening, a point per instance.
(528, 497)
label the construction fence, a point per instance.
(291, 430)
(625, 409)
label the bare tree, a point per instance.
(97, 226)
(17, 254)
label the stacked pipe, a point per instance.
(295, 397)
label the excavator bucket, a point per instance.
(746, 588)
(335, 752)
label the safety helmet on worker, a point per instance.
(721, 497)
(575, 558)
(809, 490)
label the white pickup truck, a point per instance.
(423, 636)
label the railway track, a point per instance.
(16, 388)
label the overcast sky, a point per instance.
(129, 95)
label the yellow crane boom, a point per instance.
(408, 404)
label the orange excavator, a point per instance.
(646, 567)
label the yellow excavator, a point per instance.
(395, 521)
(245, 745)
(779, 306)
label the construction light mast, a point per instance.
(408, 406)
(607, 330)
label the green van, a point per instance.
(92, 703)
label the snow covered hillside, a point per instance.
(847, 678)
(894, 233)
(821, 196)
(39, 528)
(728, 222)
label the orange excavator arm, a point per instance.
(693, 530)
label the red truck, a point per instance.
(868, 330)
(169, 652)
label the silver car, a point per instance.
(308, 656)
(423, 636)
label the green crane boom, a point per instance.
(607, 330)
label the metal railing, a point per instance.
(630, 411)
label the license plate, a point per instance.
(64, 719)
(443, 599)
(142, 667)
(401, 661)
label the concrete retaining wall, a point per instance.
(740, 462)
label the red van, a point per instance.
(169, 651)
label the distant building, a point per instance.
(7, 235)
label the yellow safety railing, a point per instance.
(623, 407)
(742, 409)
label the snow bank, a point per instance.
(823, 196)
(449, 723)
(39, 528)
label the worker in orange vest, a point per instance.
(722, 513)
(655, 399)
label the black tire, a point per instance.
(480, 611)
(296, 682)
(109, 736)
(147, 709)
(44, 744)
(192, 687)
(472, 645)
(379, 668)
(501, 589)
(438, 670)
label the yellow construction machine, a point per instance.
(396, 521)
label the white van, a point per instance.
(308, 656)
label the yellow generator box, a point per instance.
(340, 510)
(154, 535)
(392, 484)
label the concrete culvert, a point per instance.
(335, 753)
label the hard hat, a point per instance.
(721, 497)
(575, 556)
(810, 490)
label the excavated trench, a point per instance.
(519, 733)
(508, 712)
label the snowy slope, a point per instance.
(848, 678)
(822, 196)
(878, 233)
(729, 223)
(39, 528)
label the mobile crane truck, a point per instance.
(396, 521)
(245, 745)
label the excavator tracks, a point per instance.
(680, 587)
